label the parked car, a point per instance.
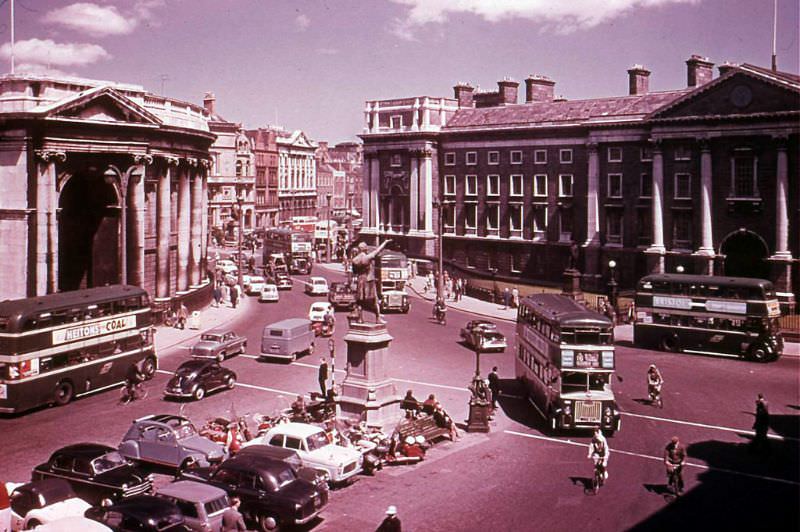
(227, 266)
(143, 512)
(254, 285)
(319, 478)
(318, 310)
(283, 281)
(312, 446)
(287, 339)
(195, 378)
(269, 292)
(483, 335)
(219, 344)
(97, 473)
(316, 286)
(271, 493)
(75, 523)
(202, 505)
(44, 501)
(170, 441)
(342, 295)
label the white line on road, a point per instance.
(706, 426)
(244, 385)
(654, 458)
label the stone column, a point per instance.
(184, 219)
(367, 111)
(415, 116)
(657, 247)
(196, 224)
(205, 164)
(46, 222)
(164, 228)
(426, 113)
(592, 205)
(374, 189)
(376, 117)
(426, 191)
(706, 241)
(413, 196)
(781, 204)
(137, 223)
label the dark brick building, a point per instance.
(703, 178)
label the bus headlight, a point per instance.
(567, 410)
(607, 411)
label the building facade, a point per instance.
(101, 183)
(703, 178)
(346, 162)
(297, 175)
(265, 151)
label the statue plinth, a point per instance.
(572, 285)
(478, 420)
(368, 394)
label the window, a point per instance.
(449, 218)
(238, 168)
(646, 154)
(683, 153)
(492, 185)
(614, 226)
(472, 185)
(396, 160)
(539, 219)
(515, 220)
(565, 225)
(396, 122)
(645, 186)
(683, 186)
(614, 185)
(516, 263)
(471, 216)
(492, 217)
(516, 185)
(540, 156)
(565, 185)
(450, 158)
(744, 175)
(516, 157)
(540, 185)
(565, 156)
(682, 229)
(644, 227)
(449, 185)
(493, 157)
(615, 155)
(472, 157)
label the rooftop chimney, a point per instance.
(463, 93)
(699, 71)
(208, 102)
(638, 80)
(539, 89)
(507, 91)
(726, 67)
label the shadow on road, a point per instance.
(515, 406)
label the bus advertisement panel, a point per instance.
(391, 272)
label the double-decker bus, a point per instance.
(60, 346)
(734, 316)
(565, 359)
(391, 273)
(294, 245)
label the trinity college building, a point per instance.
(703, 178)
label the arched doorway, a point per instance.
(88, 233)
(745, 255)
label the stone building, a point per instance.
(265, 150)
(101, 183)
(346, 161)
(703, 177)
(297, 175)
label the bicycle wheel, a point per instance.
(124, 396)
(596, 480)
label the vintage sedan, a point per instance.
(145, 512)
(169, 441)
(96, 472)
(283, 281)
(254, 285)
(482, 335)
(317, 286)
(195, 378)
(269, 292)
(44, 501)
(318, 310)
(219, 344)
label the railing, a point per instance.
(790, 327)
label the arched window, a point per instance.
(238, 168)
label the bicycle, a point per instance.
(128, 395)
(440, 316)
(598, 479)
(655, 396)
(674, 479)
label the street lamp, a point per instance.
(612, 284)
(328, 196)
(493, 271)
(679, 269)
(240, 204)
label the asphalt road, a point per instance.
(517, 477)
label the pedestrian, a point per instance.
(323, 376)
(429, 284)
(232, 520)
(632, 312)
(234, 295)
(390, 523)
(226, 292)
(506, 298)
(217, 294)
(761, 425)
(494, 386)
(183, 314)
(515, 297)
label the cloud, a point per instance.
(96, 20)
(302, 22)
(49, 54)
(327, 51)
(556, 17)
(403, 29)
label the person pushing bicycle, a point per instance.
(674, 459)
(654, 381)
(133, 379)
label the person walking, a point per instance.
(390, 523)
(506, 298)
(761, 425)
(234, 295)
(183, 314)
(515, 297)
(494, 386)
(226, 292)
(217, 294)
(232, 520)
(322, 376)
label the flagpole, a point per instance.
(774, 35)
(12, 37)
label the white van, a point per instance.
(287, 338)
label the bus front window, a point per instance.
(598, 381)
(574, 381)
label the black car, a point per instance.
(272, 495)
(143, 512)
(97, 473)
(194, 378)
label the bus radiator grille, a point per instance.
(588, 411)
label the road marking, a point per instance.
(245, 385)
(655, 458)
(706, 426)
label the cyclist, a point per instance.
(133, 379)
(654, 382)
(599, 451)
(439, 310)
(674, 458)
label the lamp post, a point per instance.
(240, 203)
(612, 284)
(493, 271)
(679, 269)
(328, 196)
(439, 206)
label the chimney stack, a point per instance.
(726, 67)
(539, 89)
(507, 91)
(463, 93)
(638, 80)
(699, 71)
(208, 102)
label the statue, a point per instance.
(364, 271)
(574, 252)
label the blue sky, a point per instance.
(311, 65)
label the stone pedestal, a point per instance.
(781, 276)
(478, 420)
(368, 393)
(572, 285)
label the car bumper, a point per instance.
(177, 393)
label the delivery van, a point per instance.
(287, 339)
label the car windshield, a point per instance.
(256, 280)
(187, 370)
(185, 430)
(107, 462)
(317, 441)
(211, 337)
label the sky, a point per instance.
(312, 65)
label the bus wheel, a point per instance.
(757, 353)
(149, 367)
(669, 343)
(64, 393)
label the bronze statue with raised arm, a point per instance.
(364, 271)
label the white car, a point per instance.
(254, 284)
(227, 266)
(269, 292)
(74, 523)
(312, 446)
(318, 310)
(44, 501)
(317, 286)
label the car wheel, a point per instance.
(199, 393)
(268, 523)
(33, 523)
(231, 382)
(64, 393)
(243, 350)
(149, 367)
(757, 353)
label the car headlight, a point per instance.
(607, 411)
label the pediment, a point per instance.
(738, 93)
(301, 140)
(102, 104)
